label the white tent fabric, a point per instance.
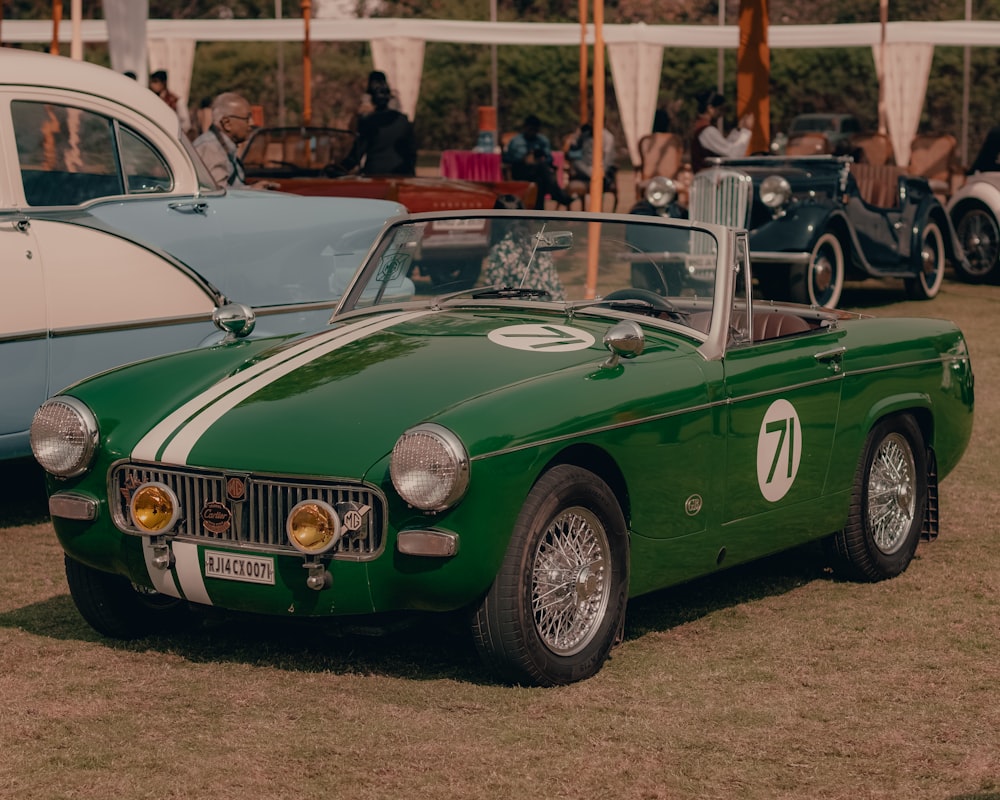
(401, 58)
(121, 14)
(125, 35)
(906, 69)
(635, 71)
(176, 56)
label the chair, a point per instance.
(659, 154)
(934, 156)
(878, 184)
(812, 143)
(872, 148)
(578, 185)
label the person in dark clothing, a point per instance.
(386, 143)
(529, 155)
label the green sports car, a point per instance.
(606, 412)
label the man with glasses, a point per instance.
(219, 145)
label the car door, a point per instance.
(23, 334)
(783, 398)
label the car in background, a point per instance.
(305, 161)
(529, 453)
(817, 221)
(975, 211)
(118, 246)
(837, 130)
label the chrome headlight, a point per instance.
(660, 192)
(775, 191)
(429, 467)
(64, 436)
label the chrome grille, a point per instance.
(723, 196)
(258, 519)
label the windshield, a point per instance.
(642, 264)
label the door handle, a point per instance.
(190, 207)
(832, 358)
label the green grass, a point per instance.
(772, 680)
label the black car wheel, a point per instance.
(115, 607)
(928, 282)
(821, 281)
(887, 506)
(979, 235)
(557, 605)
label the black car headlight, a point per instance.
(64, 436)
(429, 467)
(775, 191)
(660, 192)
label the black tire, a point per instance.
(888, 502)
(821, 281)
(114, 607)
(570, 544)
(928, 282)
(979, 235)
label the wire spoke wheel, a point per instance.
(892, 484)
(980, 237)
(569, 584)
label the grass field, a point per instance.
(773, 680)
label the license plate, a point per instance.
(233, 567)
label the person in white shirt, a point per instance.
(708, 141)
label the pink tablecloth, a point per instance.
(468, 165)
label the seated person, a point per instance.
(386, 143)
(513, 260)
(529, 155)
(581, 156)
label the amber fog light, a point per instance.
(154, 508)
(313, 527)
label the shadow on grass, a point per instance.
(22, 493)
(425, 647)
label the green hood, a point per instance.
(335, 402)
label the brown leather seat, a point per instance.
(934, 156)
(878, 184)
(873, 148)
(767, 324)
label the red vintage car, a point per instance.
(304, 161)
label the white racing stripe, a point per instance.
(186, 425)
(163, 580)
(189, 573)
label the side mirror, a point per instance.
(235, 320)
(625, 339)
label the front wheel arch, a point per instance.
(557, 605)
(888, 501)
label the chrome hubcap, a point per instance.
(892, 493)
(822, 274)
(571, 584)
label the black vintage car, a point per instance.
(816, 221)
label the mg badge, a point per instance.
(236, 488)
(215, 517)
(352, 515)
(693, 505)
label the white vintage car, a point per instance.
(116, 244)
(975, 211)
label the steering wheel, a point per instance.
(657, 301)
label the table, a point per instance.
(470, 165)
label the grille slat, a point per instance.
(258, 520)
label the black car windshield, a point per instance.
(633, 263)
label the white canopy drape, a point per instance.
(637, 107)
(401, 58)
(907, 67)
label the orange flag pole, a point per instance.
(306, 66)
(597, 163)
(753, 73)
(56, 19)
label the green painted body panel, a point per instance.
(676, 435)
